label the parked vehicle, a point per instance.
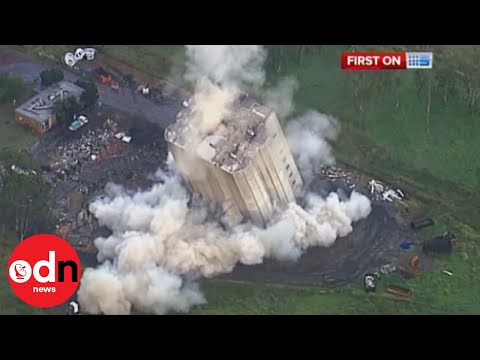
(78, 123)
(103, 77)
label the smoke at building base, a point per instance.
(159, 246)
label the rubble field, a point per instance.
(115, 147)
(112, 147)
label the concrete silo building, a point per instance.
(244, 164)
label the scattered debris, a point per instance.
(71, 157)
(387, 269)
(375, 187)
(370, 282)
(414, 261)
(421, 223)
(122, 135)
(381, 192)
(333, 172)
(21, 171)
(407, 244)
(390, 195)
(447, 272)
(399, 291)
(144, 89)
(110, 125)
(115, 85)
(407, 272)
(127, 139)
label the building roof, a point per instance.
(234, 141)
(40, 106)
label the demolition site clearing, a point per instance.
(125, 148)
(112, 148)
(79, 165)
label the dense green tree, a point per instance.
(11, 88)
(66, 109)
(90, 95)
(51, 76)
(24, 196)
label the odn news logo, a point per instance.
(44, 271)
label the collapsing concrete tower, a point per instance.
(244, 164)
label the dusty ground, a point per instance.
(374, 242)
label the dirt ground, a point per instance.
(373, 243)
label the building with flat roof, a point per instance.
(244, 164)
(37, 112)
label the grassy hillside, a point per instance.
(451, 149)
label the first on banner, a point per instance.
(386, 60)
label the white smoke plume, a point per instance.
(210, 105)
(157, 241)
(280, 97)
(309, 138)
(159, 245)
(218, 72)
(230, 65)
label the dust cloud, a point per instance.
(159, 246)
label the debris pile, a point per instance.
(370, 282)
(122, 135)
(144, 89)
(335, 173)
(72, 156)
(381, 192)
(20, 171)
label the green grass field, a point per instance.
(157, 60)
(442, 169)
(9, 303)
(232, 298)
(11, 134)
(449, 152)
